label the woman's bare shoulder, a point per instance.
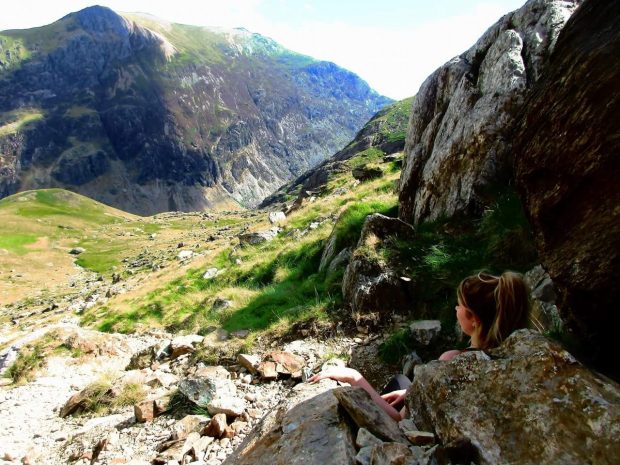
(449, 355)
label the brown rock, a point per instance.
(367, 414)
(216, 426)
(229, 432)
(420, 438)
(539, 405)
(267, 370)
(212, 372)
(190, 424)
(390, 453)
(286, 362)
(73, 404)
(569, 184)
(249, 362)
(144, 411)
(161, 405)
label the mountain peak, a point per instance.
(101, 19)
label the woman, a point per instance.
(489, 309)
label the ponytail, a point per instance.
(501, 303)
(512, 304)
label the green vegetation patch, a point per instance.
(370, 155)
(101, 254)
(102, 397)
(16, 243)
(58, 202)
(350, 222)
(14, 121)
(32, 357)
(446, 251)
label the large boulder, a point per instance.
(306, 428)
(371, 284)
(459, 137)
(529, 402)
(317, 427)
(567, 170)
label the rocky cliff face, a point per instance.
(567, 168)
(458, 141)
(384, 132)
(149, 116)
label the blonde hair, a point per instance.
(501, 303)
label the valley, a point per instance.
(212, 247)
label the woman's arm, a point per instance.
(353, 377)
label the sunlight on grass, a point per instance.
(16, 243)
(15, 121)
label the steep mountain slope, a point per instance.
(383, 134)
(150, 116)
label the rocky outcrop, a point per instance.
(372, 284)
(458, 140)
(323, 427)
(529, 401)
(567, 170)
(149, 116)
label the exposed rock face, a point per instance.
(567, 170)
(149, 116)
(529, 402)
(458, 140)
(370, 284)
(384, 132)
(300, 431)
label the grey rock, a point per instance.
(545, 313)
(424, 331)
(290, 433)
(259, 237)
(202, 391)
(367, 414)
(220, 304)
(228, 405)
(365, 438)
(410, 361)
(77, 250)
(185, 255)
(459, 139)
(210, 273)
(366, 173)
(329, 251)
(575, 417)
(277, 217)
(340, 261)
(390, 453)
(363, 455)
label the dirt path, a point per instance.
(29, 414)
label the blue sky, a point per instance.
(392, 44)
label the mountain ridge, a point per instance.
(171, 118)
